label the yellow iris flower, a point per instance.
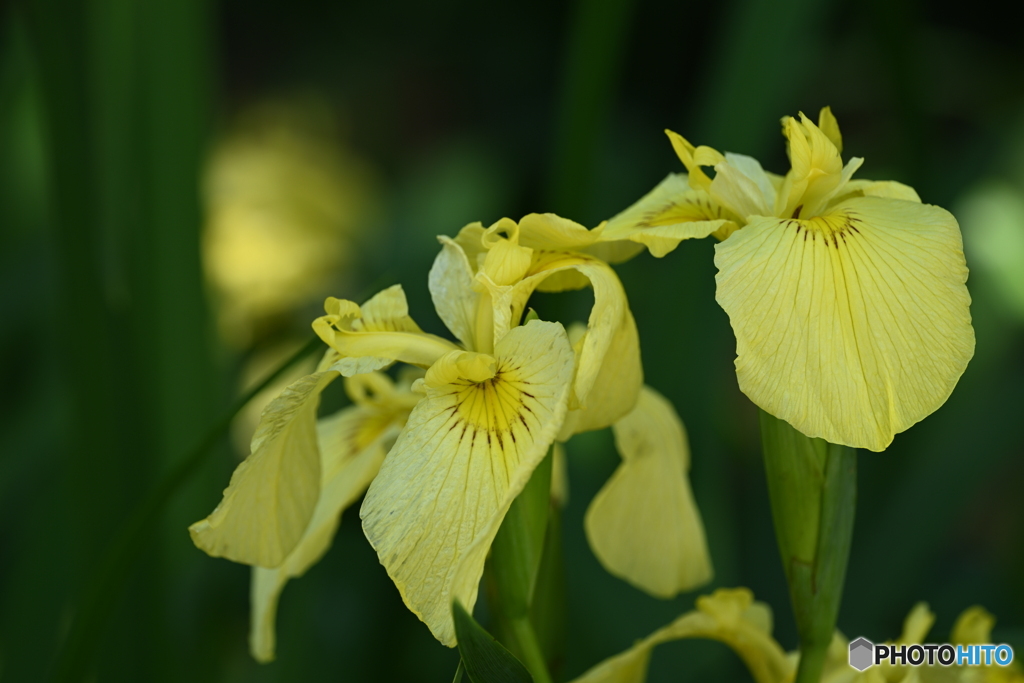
(733, 617)
(476, 425)
(847, 297)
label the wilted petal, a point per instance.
(851, 326)
(466, 452)
(643, 524)
(273, 492)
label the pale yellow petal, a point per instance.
(917, 624)
(379, 332)
(451, 288)
(467, 451)
(881, 188)
(619, 378)
(728, 615)
(548, 231)
(272, 493)
(352, 444)
(743, 187)
(830, 127)
(665, 216)
(851, 327)
(643, 525)
(973, 626)
(606, 318)
(693, 158)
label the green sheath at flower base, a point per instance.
(812, 485)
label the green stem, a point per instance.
(116, 564)
(530, 649)
(812, 485)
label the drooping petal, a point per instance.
(376, 334)
(668, 214)
(466, 452)
(273, 492)
(851, 326)
(616, 387)
(352, 444)
(643, 525)
(728, 615)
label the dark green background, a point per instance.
(111, 371)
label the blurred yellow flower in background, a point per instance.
(286, 205)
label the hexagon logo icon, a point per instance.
(862, 653)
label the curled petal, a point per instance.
(643, 524)
(851, 326)
(466, 452)
(371, 336)
(273, 492)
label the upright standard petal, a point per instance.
(273, 493)
(851, 326)
(665, 216)
(353, 443)
(466, 452)
(729, 615)
(452, 290)
(643, 525)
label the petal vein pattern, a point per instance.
(466, 452)
(851, 326)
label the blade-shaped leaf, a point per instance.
(483, 658)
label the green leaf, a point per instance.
(519, 545)
(483, 658)
(458, 673)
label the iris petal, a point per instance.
(466, 452)
(851, 326)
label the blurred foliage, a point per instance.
(452, 112)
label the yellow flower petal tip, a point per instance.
(643, 525)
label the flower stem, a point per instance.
(812, 485)
(530, 649)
